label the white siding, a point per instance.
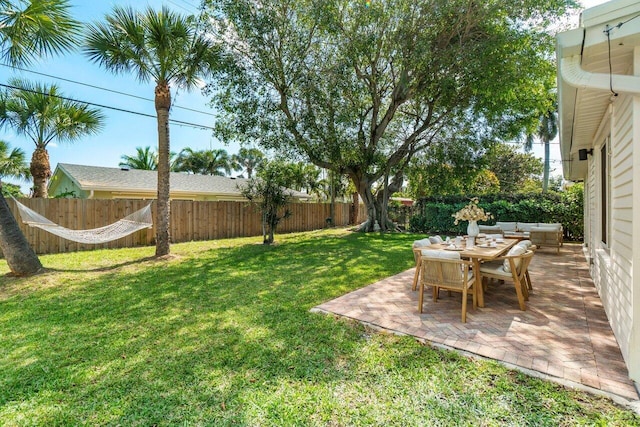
(614, 267)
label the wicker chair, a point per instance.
(446, 270)
(513, 268)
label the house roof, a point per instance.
(608, 34)
(98, 178)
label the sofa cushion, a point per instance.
(490, 228)
(550, 225)
(526, 226)
(506, 226)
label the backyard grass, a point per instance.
(222, 335)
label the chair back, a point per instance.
(418, 245)
(446, 272)
(520, 262)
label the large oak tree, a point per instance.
(361, 87)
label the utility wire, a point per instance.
(103, 88)
(607, 31)
(179, 122)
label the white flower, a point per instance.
(471, 212)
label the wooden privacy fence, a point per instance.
(190, 220)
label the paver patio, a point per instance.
(564, 334)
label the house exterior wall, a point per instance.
(613, 261)
(62, 184)
(633, 358)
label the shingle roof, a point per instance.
(115, 179)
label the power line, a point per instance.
(179, 122)
(103, 88)
(179, 6)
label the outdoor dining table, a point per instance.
(479, 253)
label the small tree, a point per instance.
(268, 193)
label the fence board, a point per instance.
(190, 220)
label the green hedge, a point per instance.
(434, 214)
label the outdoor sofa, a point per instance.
(540, 233)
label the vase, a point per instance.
(472, 229)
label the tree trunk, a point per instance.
(163, 214)
(41, 171)
(22, 260)
(355, 206)
(545, 176)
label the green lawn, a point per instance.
(222, 335)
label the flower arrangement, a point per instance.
(471, 212)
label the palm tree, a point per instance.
(40, 28)
(35, 28)
(40, 113)
(12, 163)
(145, 159)
(204, 162)
(166, 48)
(248, 159)
(547, 130)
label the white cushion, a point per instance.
(421, 243)
(431, 253)
(526, 243)
(495, 268)
(526, 226)
(507, 226)
(449, 254)
(489, 228)
(514, 251)
(436, 239)
(547, 227)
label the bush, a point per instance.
(434, 214)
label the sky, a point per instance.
(122, 131)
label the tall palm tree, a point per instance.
(145, 159)
(40, 113)
(166, 48)
(29, 30)
(248, 159)
(547, 130)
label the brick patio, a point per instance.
(564, 334)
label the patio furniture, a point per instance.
(446, 270)
(418, 245)
(530, 246)
(541, 233)
(547, 235)
(490, 229)
(512, 267)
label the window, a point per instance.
(604, 193)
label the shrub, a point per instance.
(434, 214)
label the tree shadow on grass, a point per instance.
(225, 337)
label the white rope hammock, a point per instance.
(129, 224)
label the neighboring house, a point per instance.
(94, 182)
(599, 111)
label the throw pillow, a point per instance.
(514, 251)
